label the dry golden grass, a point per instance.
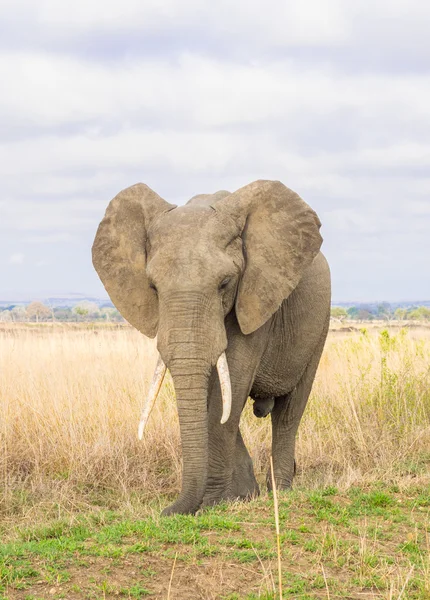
(70, 401)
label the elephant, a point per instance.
(236, 290)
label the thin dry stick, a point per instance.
(265, 573)
(325, 581)
(171, 577)
(406, 582)
(278, 541)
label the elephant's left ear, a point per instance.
(119, 254)
(281, 238)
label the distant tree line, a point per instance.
(87, 311)
(38, 312)
(381, 312)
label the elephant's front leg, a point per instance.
(244, 484)
(230, 473)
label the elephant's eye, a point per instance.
(152, 286)
(224, 283)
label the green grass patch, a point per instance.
(346, 543)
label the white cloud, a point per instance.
(282, 23)
(420, 208)
(331, 97)
(37, 216)
(53, 90)
(276, 23)
(201, 117)
(50, 238)
(16, 259)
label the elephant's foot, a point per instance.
(284, 481)
(215, 495)
(176, 509)
(242, 485)
(212, 497)
(245, 493)
(182, 506)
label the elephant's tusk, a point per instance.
(157, 380)
(224, 380)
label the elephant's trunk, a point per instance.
(190, 379)
(191, 339)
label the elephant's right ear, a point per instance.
(119, 254)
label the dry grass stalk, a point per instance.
(278, 534)
(171, 577)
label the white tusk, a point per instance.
(224, 380)
(157, 380)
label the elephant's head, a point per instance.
(176, 272)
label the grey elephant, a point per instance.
(238, 293)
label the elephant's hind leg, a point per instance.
(286, 416)
(230, 470)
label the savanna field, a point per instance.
(80, 496)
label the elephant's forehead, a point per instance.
(187, 226)
(189, 239)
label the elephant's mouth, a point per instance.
(157, 380)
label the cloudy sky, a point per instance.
(332, 97)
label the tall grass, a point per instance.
(70, 402)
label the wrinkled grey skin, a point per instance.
(240, 273)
